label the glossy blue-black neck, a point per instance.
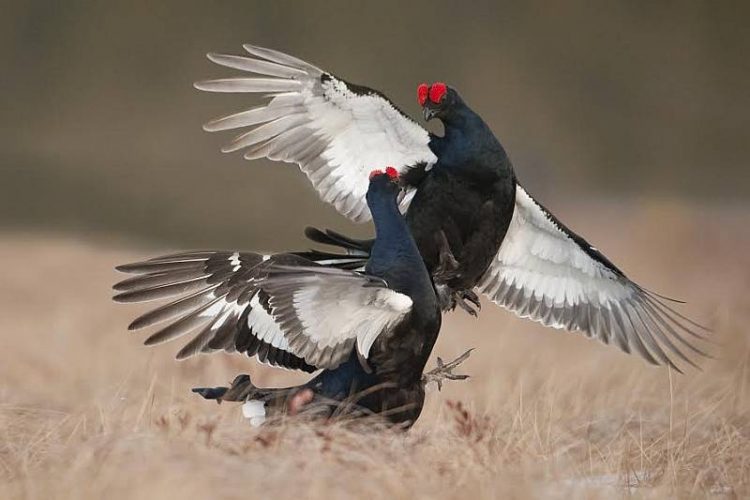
(394, 255)
(468, 142)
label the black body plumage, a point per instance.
(468, 196)
(368, 318)
(281, 309)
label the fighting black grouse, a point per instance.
(474, 224)
(370, 332)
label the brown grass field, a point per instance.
(87, 412)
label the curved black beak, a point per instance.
(429, 113)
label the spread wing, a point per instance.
(324, 312)
(335, 131)
(220, 299)
(545, 272)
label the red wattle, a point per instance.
(422, 92)
(437, 92)
(375, 173)
(391, 172)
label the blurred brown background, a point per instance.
(625, 101)
(628, 120)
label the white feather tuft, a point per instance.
(255, 411)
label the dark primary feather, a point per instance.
(329, 237)
(281, 308)
(212, 292)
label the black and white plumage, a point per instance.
(324, 313)
(215, 298)
(369, 330)
(474, 224)
(284, 309)
(545, 272)
(333, 130)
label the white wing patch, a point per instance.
(546, 264)
(324, 312)
(544, 272)
(336, 136)
(264, 326)
(330, 315)
(283, 309)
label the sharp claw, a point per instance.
(472, 297)
(460, 297)
(445, 371)
(461, 358)
(466, 307)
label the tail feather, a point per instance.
(330, 259)
(352, 246)
(241, 389)
(211, 392)
(355, 258)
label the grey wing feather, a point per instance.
(545, 272)
(337, 133)
(215, 299)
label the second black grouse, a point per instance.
(370, 332)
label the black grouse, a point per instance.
(370, 332)
(474, 224)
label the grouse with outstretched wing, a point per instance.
(371, 332)
(474, 225)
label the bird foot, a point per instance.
(461, 296)
(445, 371)
(447, 267)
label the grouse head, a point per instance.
(437, 100)
(385, 181)
(389, 176)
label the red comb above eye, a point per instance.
(422, 92)
(375, 173)
(437, 92)
(391, 172)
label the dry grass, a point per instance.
(87, 412)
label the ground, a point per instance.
(86, 411)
